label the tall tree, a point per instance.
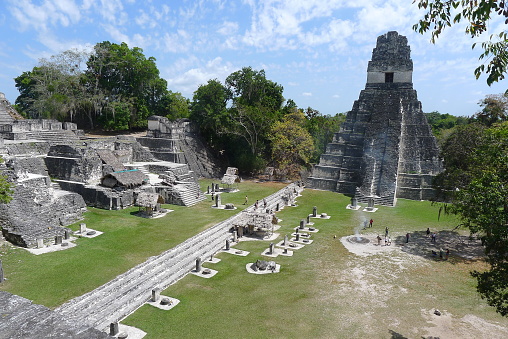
(256, 105)
(482, 206)
(174, 106)
(477, 14)
(209, 110)
(126, 75)
(322, 128)
(54, 89)
(494, 109)
(292, 145)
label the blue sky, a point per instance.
(317, 50)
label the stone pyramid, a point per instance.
(7, 113)
(385, 149)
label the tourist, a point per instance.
(370, 223)
(433, 238)
(389, 241)
(428, 232)
(256, 204)
(213, 196)
(378, 240)
(447, 253)
(386, 231)
(407, 237)
(264, 203)
(246, 200)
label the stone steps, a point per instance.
(123, 295)
(57, 137)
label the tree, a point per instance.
(443, 125)
(445, 13)
(5, 188)
(461, 164)
(54, 88)
(209, 110)
(238, 115)
(256, 105)
(174, 106)
(91, 87)
(292, 145)
(482, 206)
(126, 75)
(322, 128)
(495, 109)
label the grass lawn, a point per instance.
(53, 278)
(322, 291)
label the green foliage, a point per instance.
(443, 125)
(460, 162)
(174, 106)
(477, 14)
(5, 188)
(116, 116)
(322, 128)
(239, 115)
(476, 178)
(256, 105)
(89, 88)
(494, 109)
(292, 145)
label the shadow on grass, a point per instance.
(395, 335)
(462, 248)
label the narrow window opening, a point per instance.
(388, 77)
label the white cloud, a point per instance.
(307, 94)
(187, 82)
(177, 42)
(116, 34)
(228, 28)
(112, 11)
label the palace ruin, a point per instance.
(57, 171)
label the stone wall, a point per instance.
(38, 211)
(23, 319)
(178, 141)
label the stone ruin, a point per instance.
(230, 177)
(178, 141)
(57, 171)
(385, 149)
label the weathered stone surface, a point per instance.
(179, 141)
(385, 149)
(22, 319)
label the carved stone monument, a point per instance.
(156, 294)
(113, 328)
(385, 149)
(198, 265)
